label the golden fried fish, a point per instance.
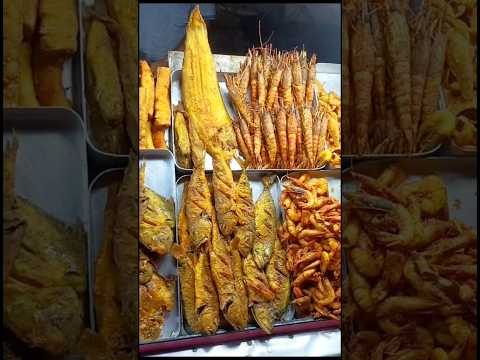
(278, 279)
(256, 281)
(206, 300)
(224, 193)
(237, 313)
(156, 226)
(265, 226)
(245, 231)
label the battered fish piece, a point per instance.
(245, 231)
(265, 226)
(58, 27)
(27, 96)
(12, 39)
(206, 300)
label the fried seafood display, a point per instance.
(311, 235)
(392, 51)
(39, 37)
(411, 271)
(277, 123)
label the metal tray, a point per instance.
(329, 74)
(459, 174)
(287, 325)
(51, 166)
(160, 177)
(110, 159)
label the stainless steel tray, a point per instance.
(459, 174)
(160, 177)
(334, 190)
(51, 166)
(328, 74)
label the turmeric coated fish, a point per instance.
(278, 279)
(265, 226)
(224, 193)
(199, 207)
(257, 284)
(206, 301)
(245, 231)
(237, 313)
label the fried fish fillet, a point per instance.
(182, 141)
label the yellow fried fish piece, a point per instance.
(245, 231)
(200, 90)
(224, 193)
(206, 300)
(279, 279)
(265, 226)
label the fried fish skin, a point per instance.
(206, 301)
(58, 27)
(224, 193)
(157, 222)
(256, 281)
(265, 226)
(245, 231)
(279, 279)
(200, 90)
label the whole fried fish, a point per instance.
(245, 231)
(278, 279)
(206, 300)
(224, 193)
(237, 313)
(264, 315)
(265, 226)
(185, 267)
(199, 207)
(156, 226)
